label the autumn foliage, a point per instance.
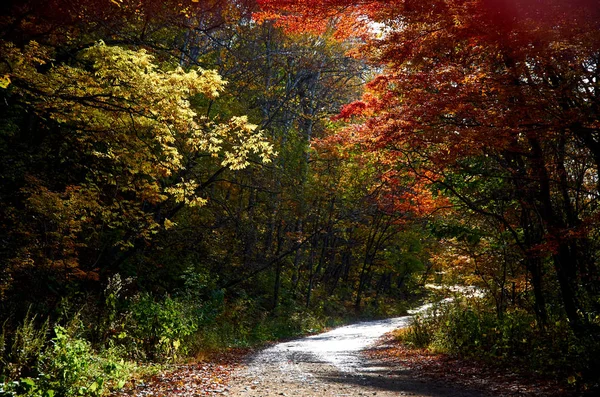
(253, 161)
(495, 105)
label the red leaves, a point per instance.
(352, 109)
(344, 17)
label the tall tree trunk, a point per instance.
(563, 260)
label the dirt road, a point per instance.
(331, 364)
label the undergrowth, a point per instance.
(91, 349)
(467, 328)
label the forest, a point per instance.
(186, 176)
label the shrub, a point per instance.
(157, 329)
(18, 353)
(419, 334)
(466, 328)
(68, 366)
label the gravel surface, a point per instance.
(331, 364)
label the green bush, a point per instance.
(71, 368)
(157, 329)
(468, 328)
(460, 331)
(419, 334)
(244, 322)
(66, 365)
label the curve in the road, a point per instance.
(339, 347)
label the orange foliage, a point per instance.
(463, 79)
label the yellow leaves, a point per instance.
(236, 141)
(244, 142)
(211, 83)
(35, 54)
(196, 202)
(169, 224)
(136, 120)
(186, 192)
(4, 81)
(65, 213)
(20, 63)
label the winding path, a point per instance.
(331, 364)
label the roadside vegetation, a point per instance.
(469, 329)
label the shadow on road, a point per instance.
(398, 380)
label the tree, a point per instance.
(479, 91)
(135, 147)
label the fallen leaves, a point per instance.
(207, 378)
(501, 382)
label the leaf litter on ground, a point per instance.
(471, 373)
(209, 377)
